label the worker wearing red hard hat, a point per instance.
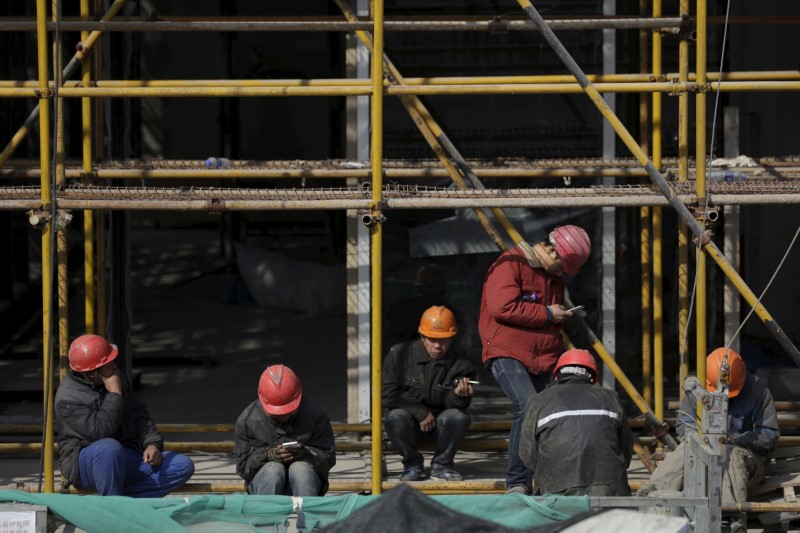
(752, 430)
(575, 434)
(283, 440)
(522, 309)
(107, 441)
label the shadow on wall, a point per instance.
(301, 286)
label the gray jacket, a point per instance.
(86, 414)
(255, 432)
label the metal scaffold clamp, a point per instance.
(38, 218)
(370, 218)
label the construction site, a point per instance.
(224, 186)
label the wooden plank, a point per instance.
(774, 483)
(783, 467)
(789, 495)
(787, 452)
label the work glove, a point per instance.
(273, 454)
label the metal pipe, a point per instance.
(88, 215)
(658, 258)
(47, 245)
(424, 122)
(376, 241)
(659, 180)
(83, 49)
(701, 292)
(683, 176)
(647, 318)
(189, 24)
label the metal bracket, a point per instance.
(498, 27)
(704, 211)
(687, 30)
(370, 218)
(43, 94)
(39, 218)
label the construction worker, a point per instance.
(107, 441)
(520, 325)
(575, 435)
(283, 440)
(426, 391)
(752, 431)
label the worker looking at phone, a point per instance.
(426, 391)
(284, 441)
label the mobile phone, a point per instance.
(293, 445)
(576, 308)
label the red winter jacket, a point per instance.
(513, 320)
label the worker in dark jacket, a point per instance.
(521, 315)
(575, 435)
(284, 441)
(107, 441)
(426, 391)
(752, 430)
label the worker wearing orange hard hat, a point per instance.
(752, 430)
(283, 441)
(521, 315)
(426, 391)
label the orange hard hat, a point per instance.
(438, 322)
(573, 247)
(577, 357)
(736, 371)
(279, 390)
(90, 352)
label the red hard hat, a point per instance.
(438, 322)
(736, 370)
(279, 390)
(577, 357)
(573, 247)
(90, 352)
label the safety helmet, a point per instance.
(90, 352)
(279, 390)
(578, 358)
(736, 371)
(438, 322)
(573, 247)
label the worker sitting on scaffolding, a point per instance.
(426, 391)
(283, 442)
(575, 434)
(753, 432)
(107, 440)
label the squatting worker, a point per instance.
(520, 325)
(283, 414)
(752, 430)
(426, 391)
(107, 441)
(575, 435)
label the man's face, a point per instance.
(548, 258)
(436, 348)
(281, 419)
(106, 371)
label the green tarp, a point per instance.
(241, 512)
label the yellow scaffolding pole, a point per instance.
(376, 250)
(658, 257)
(700, 185)
(88, 215)
(47, 245)
(659, 180)
(683, 176)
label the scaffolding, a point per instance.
(680, 183)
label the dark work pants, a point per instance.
(405, 434)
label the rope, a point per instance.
(752, 309)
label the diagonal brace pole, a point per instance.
(683, 212)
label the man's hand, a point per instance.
(559, 313)
(463, 387)
(278, 454)
(152, 455)
(428, 423)
(112, 382)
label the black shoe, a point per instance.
(445, 474)
(412, 473)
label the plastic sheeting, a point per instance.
(240, 512)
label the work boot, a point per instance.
(517, 489)
(445, 474)
(412, 473)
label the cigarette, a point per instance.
(473, 382)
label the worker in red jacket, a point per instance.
(522, 309)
